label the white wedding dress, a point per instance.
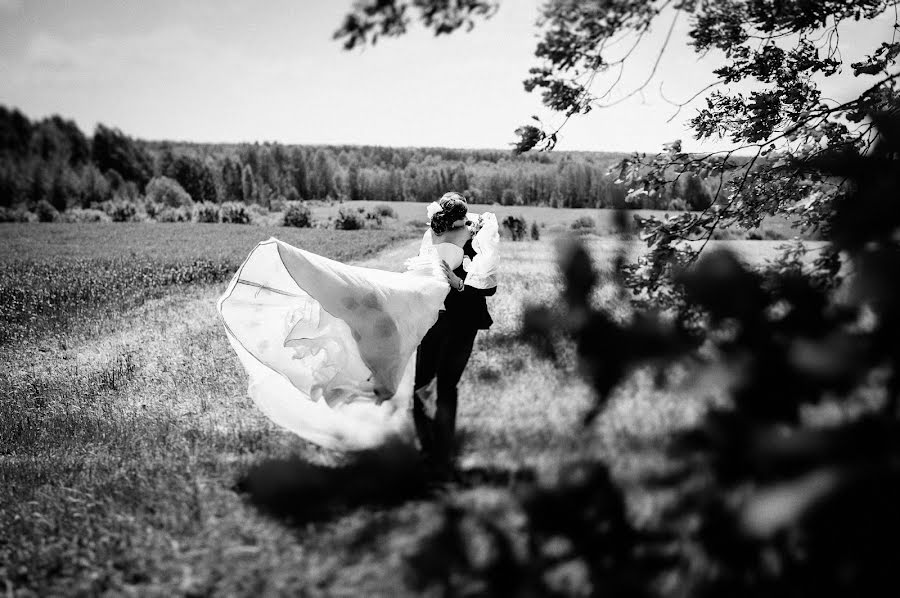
(329, 348)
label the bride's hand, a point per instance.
(452, 279)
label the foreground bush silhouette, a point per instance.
(766, 500)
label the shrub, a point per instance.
(515, 226)
(167, 214)
(384, 211)
(535, 231)
(297, 214)
(259, 214)
(78, 215)
(205, 211)
(46, 212)
(152, 209)
(121, 210)
(349, 219)
(167, 192)
(15, 215)
(281, 203)
(234, 212)
(373, 218)
(584, 223)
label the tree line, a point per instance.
(54, 162)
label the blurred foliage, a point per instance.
(765, 499)
(389, 18)
(778, 119)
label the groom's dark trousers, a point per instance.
(440, 362)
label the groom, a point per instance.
(444, 352)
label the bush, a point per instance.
(384, 211)
(205, 211)
(234, 212)
(584, 223)
(78, 215)
(259, 214)
(121, 210)
(46, 212)
(173, 215)
(15, 215)
(297, 214)
(349, 219)
(281, 203)
(515, 226)
(535, 231)
(167, 192)
(373, 219)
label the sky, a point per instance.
(238, 70)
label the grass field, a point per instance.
(62, 277)
(121, 439)
(548, 219)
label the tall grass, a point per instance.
(119, 450)
(56, 277)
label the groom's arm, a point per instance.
(469, 251)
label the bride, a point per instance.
(329, 348)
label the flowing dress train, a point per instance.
(330, 348)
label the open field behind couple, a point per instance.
(128, 435)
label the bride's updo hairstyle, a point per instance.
(453, 210)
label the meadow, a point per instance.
(554, 220)
(60, 277)
(124, 424)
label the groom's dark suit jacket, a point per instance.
(468, 306)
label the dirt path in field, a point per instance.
(392, 258)
(149, 423)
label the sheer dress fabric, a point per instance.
(330, 348)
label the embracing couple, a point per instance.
(349, 357)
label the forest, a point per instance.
(49, 166)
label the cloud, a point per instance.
(174, 54)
